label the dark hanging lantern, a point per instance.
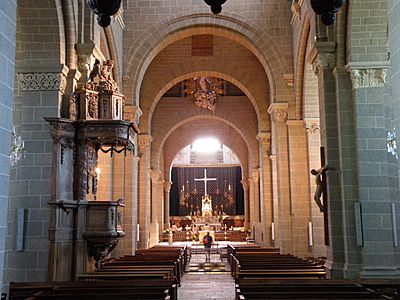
(327, 9)
(216, 5)
(104, 9)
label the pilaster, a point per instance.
(154, 226)
(279, 115)
(264, 140)
(167, 191)
(374, 168)
(144, 143)
(245, 185)
(299, 191)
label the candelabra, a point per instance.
(17, 150)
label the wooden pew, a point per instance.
(302, 289)
(21, 291)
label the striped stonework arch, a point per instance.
(231, 27)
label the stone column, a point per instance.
(314, 162)
(275, 204)
(167, 190)
(144, 142)
(154, 230)
(264, 140)
(299, 186)
(378, 196)
(278, 112)
(251, 203)
(255, 200)
(160, 209)
(245, 185)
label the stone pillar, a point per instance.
(275, 204)
(251, 203)
(299, 186)
(314, 162)
(255, 201)
(167, 190)
(245, 185)
(154, 229)
(264, 140)
(161, 203)
(339, 206)
(144, 142)
(378, 196)
(278, 112)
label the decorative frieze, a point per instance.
(278, 112)
(42, 81)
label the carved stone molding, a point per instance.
(312, 127)
(278, 112)
(42, 81)
(322, 56)
(255, 174)
(155, 175)
(132, 114)
(245, 185)
(264, 138)
(167, 186)
(144, 140)
(368, 74)
(289, 78)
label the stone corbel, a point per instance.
(368, 74)
(289, 78)
(245, 185)
(155, 175)
(278, 112)
(255, 174)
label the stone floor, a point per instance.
(202, 285)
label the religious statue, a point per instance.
(206, 207)
(319, 186)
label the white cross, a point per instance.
(205, 179)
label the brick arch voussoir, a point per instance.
(230, 26)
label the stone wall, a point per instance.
(7, 61)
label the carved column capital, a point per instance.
(255, 174)
(245, 185)
(368, 74)
(155, 174)
(132, 114)
(167, 186)
(264, 139)
(144, 140)
(289, 78)
(322, 56)
(312, 126)
(278, 112)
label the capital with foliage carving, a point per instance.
(255, 174)
(167, 186)
(144, 140)
(278, 112)
(264, 138)
(366, 75)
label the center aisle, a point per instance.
(214, 283)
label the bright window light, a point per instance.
(206, 145)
